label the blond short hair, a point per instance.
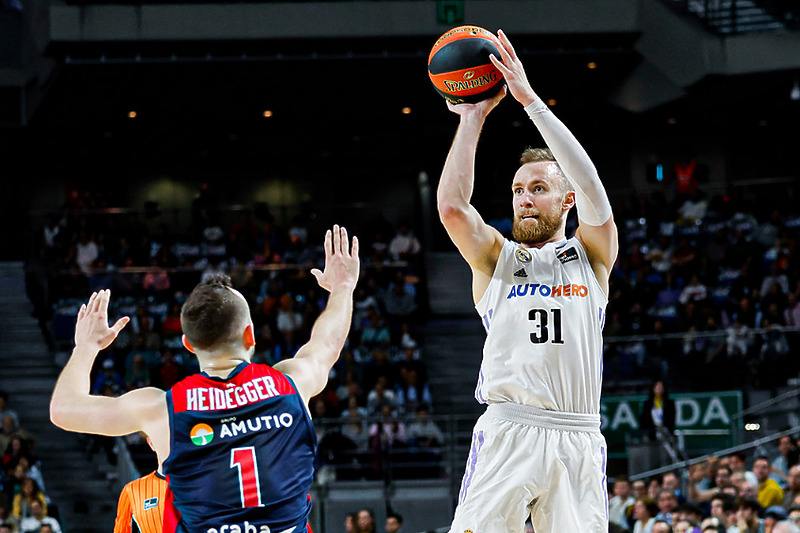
(536, 155)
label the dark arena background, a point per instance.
(146, 144)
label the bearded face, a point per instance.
(532, 227)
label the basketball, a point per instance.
(459, 65)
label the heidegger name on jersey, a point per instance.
(217, 396)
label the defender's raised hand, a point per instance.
(341, 261)
(91, 329)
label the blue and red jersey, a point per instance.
(241, 452)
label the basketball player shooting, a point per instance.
(537, 450)
(236, 440)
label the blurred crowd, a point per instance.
(377, 399)
(24, 504)
(719, 495)
(706, 291)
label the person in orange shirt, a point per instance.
(142, 503)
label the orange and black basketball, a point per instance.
(459, 65)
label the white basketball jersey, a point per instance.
(543, 313)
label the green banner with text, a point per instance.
(705, 417)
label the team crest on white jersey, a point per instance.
(523, 255)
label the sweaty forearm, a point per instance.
(591, 199)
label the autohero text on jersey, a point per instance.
(214, 398)
(532, 289)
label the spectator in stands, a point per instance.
(644, 511)
(423, 432)
(667, 504)
(151, 338)
(769, 492)
(364, 302)
(657, 418)
(26, 467)
(355, 428)
(108, 376)
(773, 515)
(350, 523)
(169, 371)
(736, 462)
(38, 518)
(404, 246)
(792, 487)
(365, 521)
(794, 514)
(394, 523)
(619, 506)
(747, 519)
(17, 450)
(381, 396)
(171, 325)
(791, 315)
(289, 322)
(389, 431)
(638, 489)
(138, 375)
(724, 509)
(661, 526)
(412, 392)
(788, 455)
(709, 526)
(149, 355)
(695, 291)
(86, 252)
(6, 527)
(375, 333)
(156, 280)
(376, 367)
(722, 480)
(400, 305)
(411, 361)
(671, 482)
(653, 488)
(688, 512)
(10, 430)
(5, 410)
(29, 492)
(786, 526)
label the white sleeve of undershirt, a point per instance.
(591, 199)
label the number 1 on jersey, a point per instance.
(245, 460)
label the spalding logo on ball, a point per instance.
(459, 65)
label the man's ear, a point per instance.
(186, 343)
(569, 200)
(248, 337)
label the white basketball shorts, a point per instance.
(526, 461)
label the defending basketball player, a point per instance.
(236, 440)
(537, 450)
